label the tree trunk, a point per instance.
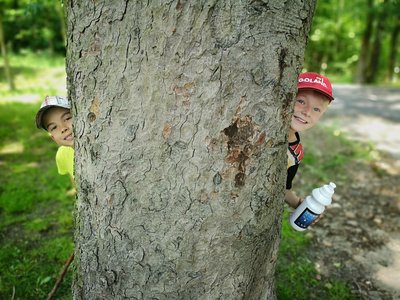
(373, 67)
(60, 12)
(4, 53)
(365, 44)
(394, 38)
(181, 110)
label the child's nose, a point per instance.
(306, 110)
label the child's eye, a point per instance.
(300, 101)
(316, 109)
(52, 128)
(67, 117)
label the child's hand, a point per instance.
(71, 192)
(318, 219)
(299, 201)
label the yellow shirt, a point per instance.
(65, 160)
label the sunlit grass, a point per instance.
(35, 76)
(36, 221)
(12, 148)
(35, 208)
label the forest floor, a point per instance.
(358, 240)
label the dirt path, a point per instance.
(359, 238)
(368, 114)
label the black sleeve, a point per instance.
(291, 172)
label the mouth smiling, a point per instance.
(69, 137)
(300, 120)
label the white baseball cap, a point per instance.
(49, 102)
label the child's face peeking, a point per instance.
(309, 108)
(58, 122)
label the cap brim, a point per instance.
(305, 86)
(40, 113)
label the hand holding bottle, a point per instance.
(312, 207)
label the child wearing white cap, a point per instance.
(55, 117)
(313, 97)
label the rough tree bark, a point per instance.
(181, 110)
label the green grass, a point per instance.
(328, 153)
(35, 75)
(36, 222)
(297, 275)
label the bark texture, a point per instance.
(181, 110)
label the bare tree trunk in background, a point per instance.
(394, 40)
(4, 53)
(181, 110)
(365, 44)
(60, 13)
(375, 54)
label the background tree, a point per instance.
(378, 33)
(394, 42)
(341, 35)
(390, 67)
(351, 40)
(29, 25)
(365, 44)
(333, 45)
(4, 54)
(180, 113)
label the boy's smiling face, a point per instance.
(58, 122)
(309, 108)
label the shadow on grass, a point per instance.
(36, 221)
(15, 71)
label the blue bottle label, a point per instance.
(306, 218)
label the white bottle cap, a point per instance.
(324, 193)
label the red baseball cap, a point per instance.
(317, 82)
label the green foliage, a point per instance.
(34, 25)
(334, 45)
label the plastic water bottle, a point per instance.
(314, 205)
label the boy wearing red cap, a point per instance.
(313, 98)
(55, 117)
